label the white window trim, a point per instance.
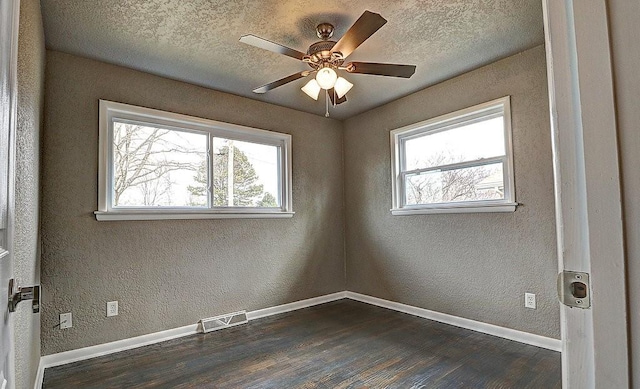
(110, 110)
(441, 123)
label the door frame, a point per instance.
(587, 189)
(9, 18)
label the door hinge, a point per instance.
(21, 293)
(574, 289)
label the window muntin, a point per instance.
(456, 161)
(156, 165)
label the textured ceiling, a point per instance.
(197, 41)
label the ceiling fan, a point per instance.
(326, 57)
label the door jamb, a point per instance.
(587, 188)
(9, 80)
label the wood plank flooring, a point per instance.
(343, 344)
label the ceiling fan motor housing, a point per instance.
(320, 51)
(319, 54)
(319, 47)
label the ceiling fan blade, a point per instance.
(362, 29)
(271, 46)
(333, 97)
(280, 82)
(381, 69)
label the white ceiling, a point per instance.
(197, 41)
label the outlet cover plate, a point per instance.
(530, 300)
(66, 320)
(112, 308)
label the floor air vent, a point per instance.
(222, 321)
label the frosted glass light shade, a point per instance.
(312, 89)
(326, 78)
(342, 86)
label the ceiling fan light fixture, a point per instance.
(342, 86)
(312, 89)
(326, 78)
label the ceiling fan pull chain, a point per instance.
(326, 114)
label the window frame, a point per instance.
(110, 110)
(480, 112)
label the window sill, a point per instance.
(181, 215)
(452, 208)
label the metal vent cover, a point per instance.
(222, 321)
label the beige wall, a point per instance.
(477, 266)
(167, 274)
(624, 18)
(31, 59)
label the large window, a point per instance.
(460, 162)
(161, 165)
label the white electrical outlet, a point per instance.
(112, 308)
(530, 300)
(66, 321)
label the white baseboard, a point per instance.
(144, 340)
(295, 305)
(109, 348)
(503, 332)
(126, 344)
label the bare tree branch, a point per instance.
(451, 185)
(144, 158)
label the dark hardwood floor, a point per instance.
(343, 344)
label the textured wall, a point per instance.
(167, 274)
(31, 59)
(625, 29)
(476, 266)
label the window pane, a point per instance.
(484, 139)
(466, 184)
(255, 174)
(156, 167)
